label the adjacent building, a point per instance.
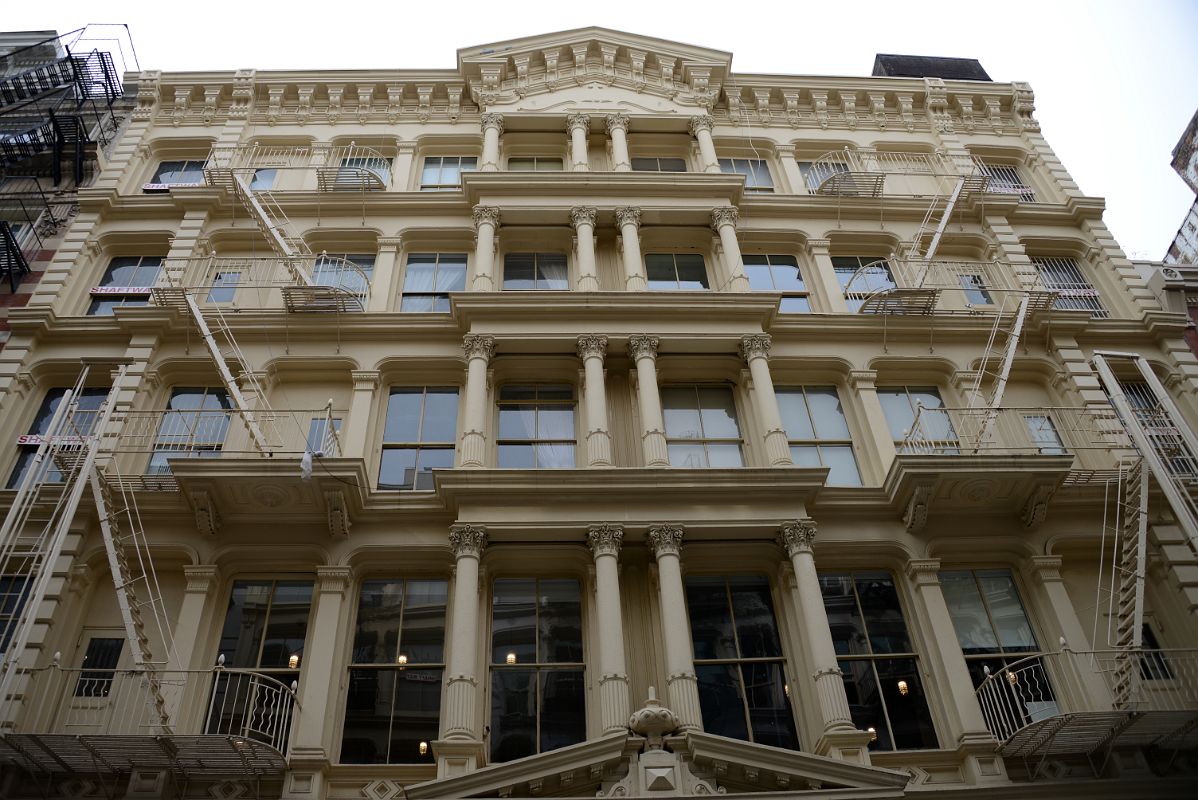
(591, 419)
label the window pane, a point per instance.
(429, 459)
(718, 413)
(519, 271)
(440, 416)
(555, 422)
(786, 274)
(517, 422)
(974, 633)
(1014, 631)
(687, 456)
(288, 625)
(758, 272)
(513, 714)
(419, 276)
(898, 411)
(403, 415)
(451, 274)
(376, 635)
(398, 468)
(710, 618)
(795, 305)
(517, 456)
(551, 271)
(794, 414)
(721, 700)
(563, 708)
(432, 171)
(245, 619)
(560, 622)
(843, 465)
(769, 710)
(844, 619)
(724, 455)
(514, 621)
(807, 456)
(679, 406)
(417, 715)
(367, 716)
(559, 455)
(827, 413)
(756, 629)
(423, 636)
(909, 716)
(883, 615)
(659, 269)
(865, 701)
(692, 274)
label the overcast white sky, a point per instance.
(1116, 82)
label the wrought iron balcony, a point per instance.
(217, 722)
(1089, 702)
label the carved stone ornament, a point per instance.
(703, 122)
(654, 721)
(334, 500)
(583, 215)
(755, 345)
(605, 539)
(617, 121)
(628, 216)
(592, 344)
(485, 214)
(726, 215)
(207, 517)
(492, 121)
(665, 539)
(467, 540)
(916, 515)
(578, 121)
(478, 345)
(797, 535)
(641, 345)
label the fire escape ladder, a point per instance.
(941, 218)
(1130, 566)
(1001, 347)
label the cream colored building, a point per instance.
(447, 419)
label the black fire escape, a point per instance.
(56, 109)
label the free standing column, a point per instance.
(579, 126)
(468, 542)
(592, 349)
(486, 222)
(643, 351)
(723, 222)
(478, 349)
(840, 737)
(613, 675)
(583, 219)
(629, 222)
(682, 685)
(755, 350)
(617, 129)
(492, 130)
(701, 129)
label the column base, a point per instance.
(580, 168)
(653, 444)
(588, 283)
(846, 744)
(683, 690)
(598, 448)
(739, 283)
(777, 448)
(474, 446)
(305, 777)
(458, 756)
(482, 283)
(981, 764)
(613, 703)
(635, 283)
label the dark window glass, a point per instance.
(14, 592)
(535, 271)
(418, 437)
(99, 662)
(127, 282)
(194, 426)
(179, 173)
(266, 624)
(676, 271)
(738, 660)
(653, 164)
(881, 675)
(392, 708)
(429, 278)
(537, 683)
(90, 400)
(534, 164)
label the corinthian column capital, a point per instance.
(605, 539)
(755, 345)
(578, 121)
(467, 540)
(641, 345)
(583, 215)
(665, 539)
(616, 121)
(797, 535)
(478, 345)
(628, 216)
(492, 121)
(702, 122)
(488, 215)
(592, 344)
(724, 215)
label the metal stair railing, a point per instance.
(13, 264)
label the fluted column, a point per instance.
(492, 129)
(613, 672)
(840, 737)
(723, 222)
(583, 219)
(461, 682)
(643, 351)
(755, 349)
(701, 129)
(629, 222)
(579, 126)
(682, 685)
(617, 129)
(478, 349)
(592, 349)
(486, 222)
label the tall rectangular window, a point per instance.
(1044, 435)
(755, 170)
(1074, 292)
(1005, 179)
(933, 428)
(818, 433)
(224, 287)
(194, 426)
(538, 689)
(974, 288)
(880, 666)
(738, 660)
(351, 272)
(14, 592)
(99, 662)
(676, 271)
(418, 437)
(90, 400)
(779, 274)
(127, 282)
(992, 627)
(178, 173)
(536, 427)
(429, 278)
(858, 283)
(444, 173)
(701, 426)
(392, 708)
(535, 271)
(655, 164)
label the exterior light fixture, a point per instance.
(873, 734)
(511, 658)
(293, 662)
(903, 689)
(786, 689)
(424, 748)
(401, 659)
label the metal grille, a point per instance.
(1005, 179)
(1064, 276)
(1159, 426)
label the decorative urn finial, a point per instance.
(654, 721)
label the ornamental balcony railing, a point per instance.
(919, 286)
(1073, 702)
(201, 722)
(337, 168)
(300, 284)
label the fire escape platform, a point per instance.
(108, 754)
(1087, 732)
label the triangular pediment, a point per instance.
(692, 764)
(501, 74)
